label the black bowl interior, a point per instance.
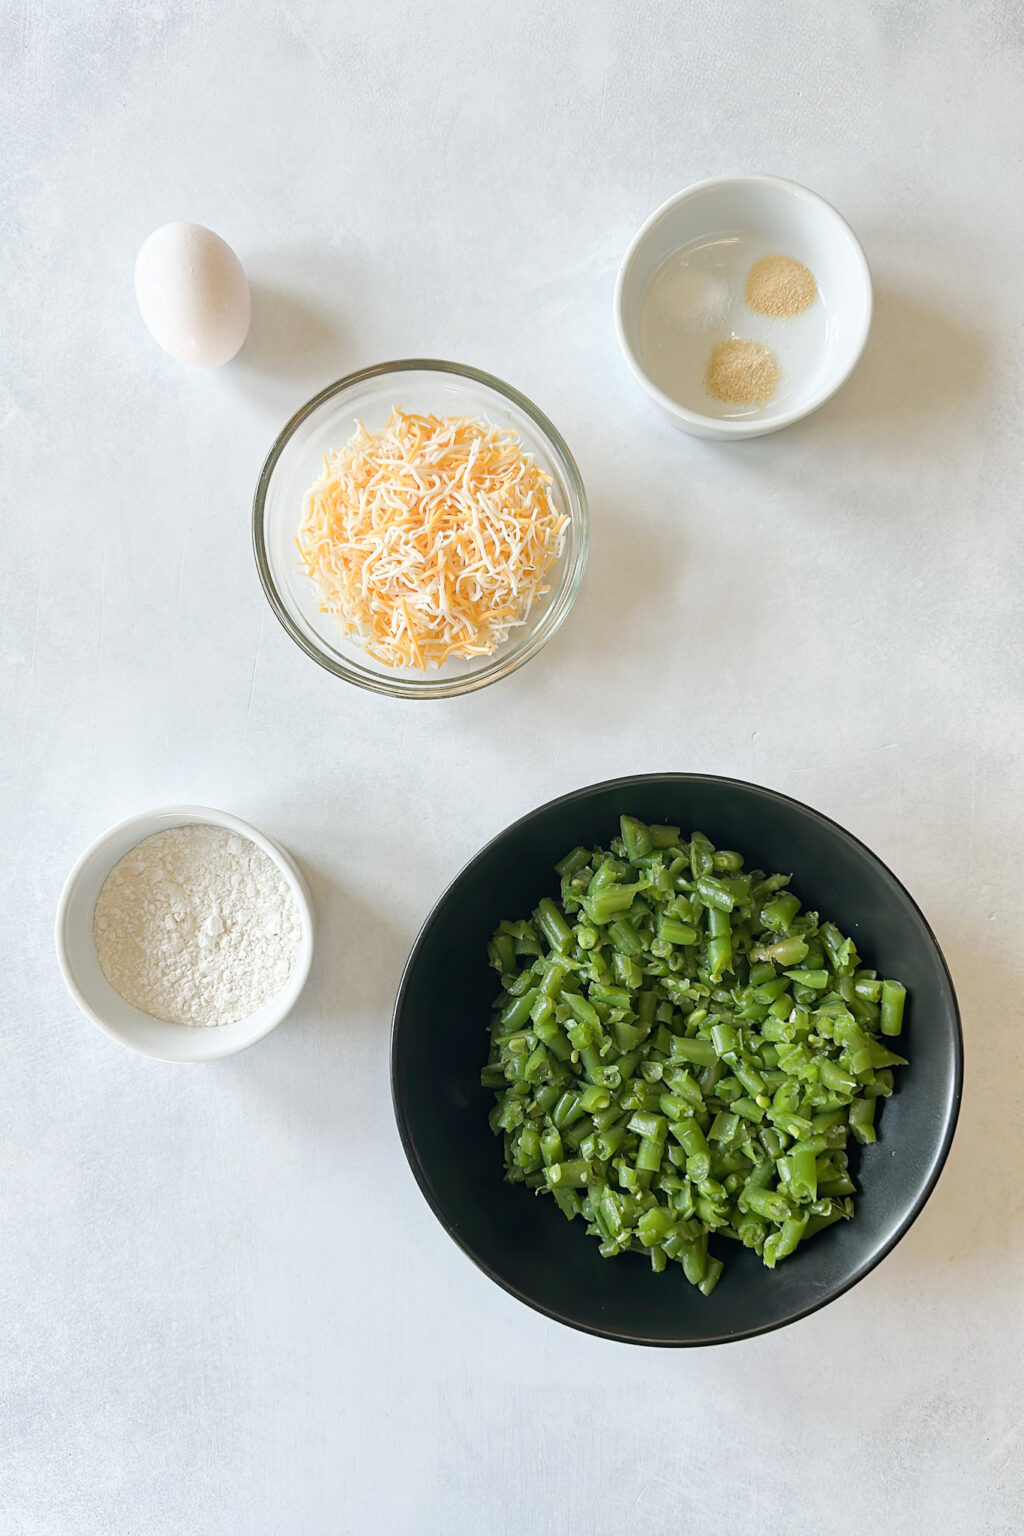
(522, 1241)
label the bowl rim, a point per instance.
(202, 815)
(797, 1313)
(747, 426)
(502, 663)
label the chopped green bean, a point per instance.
(572, 1174)
(862, 1120)
(677, 1050)
(893, 996)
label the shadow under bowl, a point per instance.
(440, 1041)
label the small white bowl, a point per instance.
(80, 966)
(748, 217)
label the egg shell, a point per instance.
(193, 294)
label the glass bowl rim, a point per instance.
(507, 660)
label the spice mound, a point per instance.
(196, 925)
(780, 286)
(741, 373)
(430, 538)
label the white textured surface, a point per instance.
(224, 1307)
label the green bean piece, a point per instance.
(724, 1127)
(714, 893)
(710, 1076)
(636, 837)
(610, 901)
(517, 1012)
(604, 1119)
(784, 952)
(724, 1038)
(702, 854)
(768, 991)
(893, 997)
(536, 1064)
(681, 1083)
(551, 921)
(653, 1126)
(675, 1107)
(578, 859)
(555, 1040)
(712, 1274)
(567, 1110)
(701, 1052)
(554, 979)
(768, 1203)
(551, 1149)
(833, 1076)
(672, 931)
(623, 936)
(841, 953)
(818, 1224)
(720, 949)
(750, 1078)
(779, 912)
(582, 1011)
(568, 1201)
(695, 1258)
(690, 1137)
(761, 1175)
(779, 1245)
(841, 1185)
(577, 1134)
(608, 1143)
(803, 1174)
(726, 861)
(574, 1175)
(654, 1226)
(862, 1121)
(815, 980)
(593, 1098)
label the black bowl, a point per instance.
(440, 1039)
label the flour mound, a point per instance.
(196, 925)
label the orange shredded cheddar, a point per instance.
(430, 538)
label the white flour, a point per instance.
(196, 925)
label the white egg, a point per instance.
(192, 294)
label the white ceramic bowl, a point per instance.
(80, 967)
(734, 219)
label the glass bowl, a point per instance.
(326, 423)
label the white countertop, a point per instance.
(224, 1306)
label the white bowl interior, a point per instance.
(745, 218)
(76, 948)
(330, 426)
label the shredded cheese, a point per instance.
(430, 538)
